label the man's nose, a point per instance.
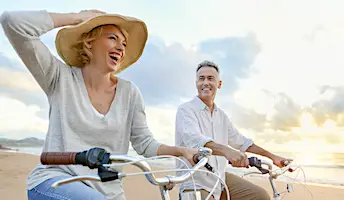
(205, 82)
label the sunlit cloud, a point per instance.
(16, 117)
(18, 80)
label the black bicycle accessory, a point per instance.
(93, 158)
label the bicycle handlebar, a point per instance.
(255, 162)
(93, 158)
(98, 158)
(80, 158)
(58, 158)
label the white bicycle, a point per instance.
(104, 162)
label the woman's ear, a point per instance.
(88, 44)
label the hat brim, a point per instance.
(137, 36)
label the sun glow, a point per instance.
(309, 126)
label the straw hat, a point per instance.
(137, 35)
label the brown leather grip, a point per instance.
(58, 158)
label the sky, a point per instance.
(281, 64)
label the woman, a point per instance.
(89, 105)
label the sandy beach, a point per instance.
(16, 166)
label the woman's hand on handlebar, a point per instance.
(189, 153)
(185, 152)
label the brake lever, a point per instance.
(105, 175)
(264, 171)
(197, 157)
(255, 162)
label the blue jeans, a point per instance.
(70, 191)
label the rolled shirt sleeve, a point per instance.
(187, 128)
(236, 139)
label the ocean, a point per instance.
(319, 168)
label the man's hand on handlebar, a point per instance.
(280, 161)
(237, 158)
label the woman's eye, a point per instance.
(113, 38)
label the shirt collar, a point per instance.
(202, 105)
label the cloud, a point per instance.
(18, 80)
(161, 121)
(277, 136)
(28, 98)
(14, 76)
(17, 83)
(235, 56)
(287, 121)
(166, 73)
(6, 62)
(285, 114)
(244, 117)
(261, 110)
(15, 116)
(330, 105)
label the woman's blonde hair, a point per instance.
(82, 48)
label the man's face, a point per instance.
(207, 82)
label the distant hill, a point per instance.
(4, 148)
(26, 142)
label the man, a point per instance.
(200, 123)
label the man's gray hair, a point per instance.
(207, 63)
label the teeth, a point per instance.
(113, 57)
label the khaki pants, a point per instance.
(239, 189)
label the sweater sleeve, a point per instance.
(141, 137)
(23, 29)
